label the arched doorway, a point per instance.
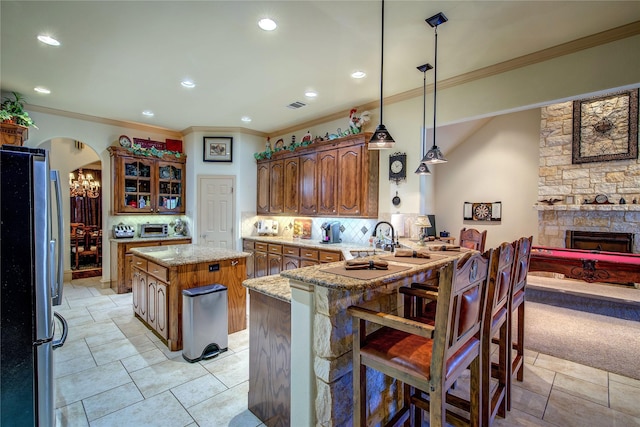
(85, 217)
(68, 156)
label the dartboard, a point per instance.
(481, 211)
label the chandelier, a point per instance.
(84, 185)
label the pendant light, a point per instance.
(381, 139)
(434, 155)
(423, 169)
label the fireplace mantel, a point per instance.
(612, 207)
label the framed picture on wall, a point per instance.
(217, 149)
(605, 128)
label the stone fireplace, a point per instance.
(575, 184)
(608, 241)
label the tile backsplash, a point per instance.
(354, 230)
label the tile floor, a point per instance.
(112, 371)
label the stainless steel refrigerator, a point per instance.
(31, 278)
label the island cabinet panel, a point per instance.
(270, 356)
(308, 187)
(291, 185)
(276, 187)
(327, 170)
(339, 177)
(122, 260)
(157, 293)
(262, 205)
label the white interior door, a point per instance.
(216, 211)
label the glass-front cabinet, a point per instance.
(147, 185)
(170, 187)
(138, 183)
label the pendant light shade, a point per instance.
(434, 155)
(381, 138)
(423, 169)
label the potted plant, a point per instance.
(12, 110)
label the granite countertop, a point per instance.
(274, 286)
(175, 255)
(349, 250)
(147, 239)
(315, 276)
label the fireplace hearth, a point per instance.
(599, 241)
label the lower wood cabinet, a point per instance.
(122, 258)
(157, 293)
(268, 258)
(270, 359)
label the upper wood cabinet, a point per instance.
(147, 185)
(291, 184)
(328, 178)
(276, 187)
(262, 205)
(308, 189)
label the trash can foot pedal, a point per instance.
(209, 352)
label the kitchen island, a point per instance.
(160, 274)
(313, 357)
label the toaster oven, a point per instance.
(154, 230)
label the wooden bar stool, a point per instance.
(428, 359)
(516, 313)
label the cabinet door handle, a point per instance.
(138, 263)
(234, 262)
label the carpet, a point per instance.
(602, 342)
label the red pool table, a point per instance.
(590, 266)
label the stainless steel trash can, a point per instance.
(204, 322)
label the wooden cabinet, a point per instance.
(270, 258)
(350, 189)
(157, 293)
(262, 205)
(308, 190)
(122, 260)
(13, 134)
(248, 246)
(147, 185)
(290, 187)
(276, 187)
(260, 260)
(328, 178)
(327, 174)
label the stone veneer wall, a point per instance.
(575, 183)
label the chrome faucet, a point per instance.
(386, 246)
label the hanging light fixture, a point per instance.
(434, 155)
(423, 169)
(84, 186)
(381, 139)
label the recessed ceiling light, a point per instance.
(148, 113)
(311, 94)
(246, 119)
(48, 40)
(188, 83)
(267, 24)
(42, 90)
(358, 74)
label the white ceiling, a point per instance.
(119, 58)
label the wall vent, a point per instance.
(296, 105)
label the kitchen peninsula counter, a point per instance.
(161, 273)
(317, 343)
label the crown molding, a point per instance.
(222, 129)
(594, 40)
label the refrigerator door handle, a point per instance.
(59, 280)
(65, 330)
